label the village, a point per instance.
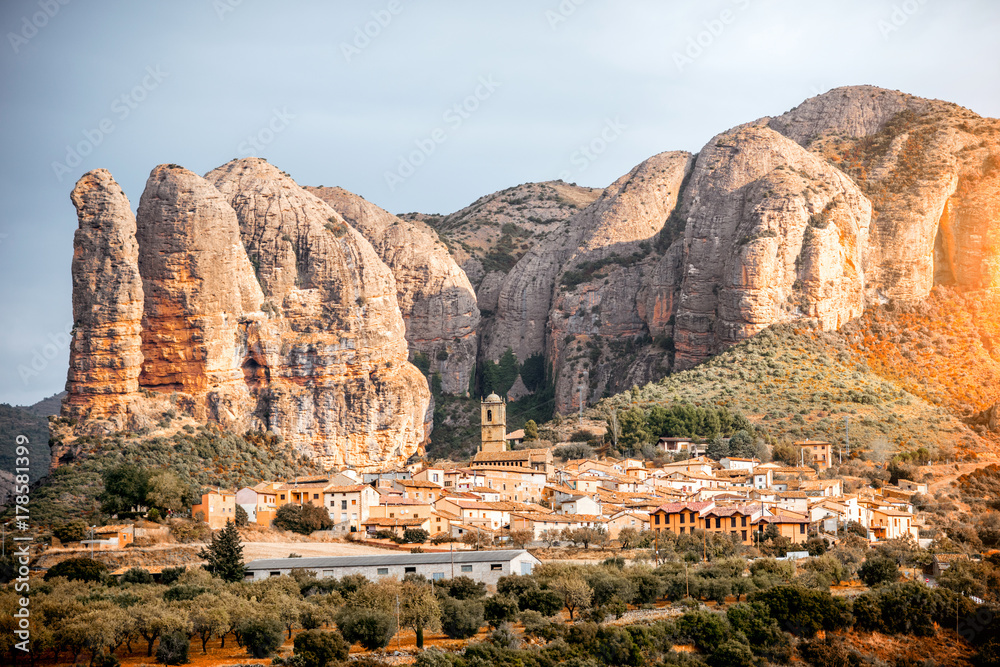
(511, 496)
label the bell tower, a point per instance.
(493, 413)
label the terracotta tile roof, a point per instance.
(697, 506)
(389, 523)
(417, 483)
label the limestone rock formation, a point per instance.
(437, 301)
(301, 335)
(331, 362)
(202, 298)
(106, 352)
(594, 307)
(772, 233)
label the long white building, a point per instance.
(484, 566)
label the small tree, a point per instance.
(260, 635)
(878, 570)
(372, 628)
(166, 491)
(419, 609)
(242, 518)
(477, 539)
(173, 648)
(530, 430)
(71, 531)
(521, 538)
(551, 536)
(415, 535)
(316, 648)
(303, 519)
(137, 575)
(499, 609)
(461, 619)
(225, 554)
(574, 591)
(78, 569)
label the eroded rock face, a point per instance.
(106, 352)
(595, 304)
(929, 168)
(317, 354)
(332, 357)
(435, 296)
(772, 234)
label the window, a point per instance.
(718, 522)
(682, 517)
(343, 504)
(282, 496)
(315, 496)
(656, 519)
(408, 570)
(802, 528)
(392, 515)
(692, 518)
(526, 568)
(489, 415)
(275, 574)
(496, 566)
(744, 535)
(383, 571)
(744, 522)
(682, 530)
(732, 523)
(466, 568)
(437, 576)
(354, 501)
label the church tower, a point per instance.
(494, 424)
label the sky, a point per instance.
(415, 106)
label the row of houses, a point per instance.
(502, 488)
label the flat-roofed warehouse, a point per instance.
(484, 566)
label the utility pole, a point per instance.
(398, 629)
(92, 541)
(452, 545)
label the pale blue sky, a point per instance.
(200, 78)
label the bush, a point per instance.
(545, 601)
(372, 628)
(316, 648)
(137, 575)
(500, 608)
(537, 625)
(703, 628)
(303, 519)
(878, 570)
(415, 535)
(71, 531)
(173, 648)
(261, 636)
(78, 569)
(463, 588)
(171, 574)
(803, 611)
(461, 619)
(732, 654)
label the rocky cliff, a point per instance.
(856, 197)
(105, 357)
(262, 309)
(436, 299)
